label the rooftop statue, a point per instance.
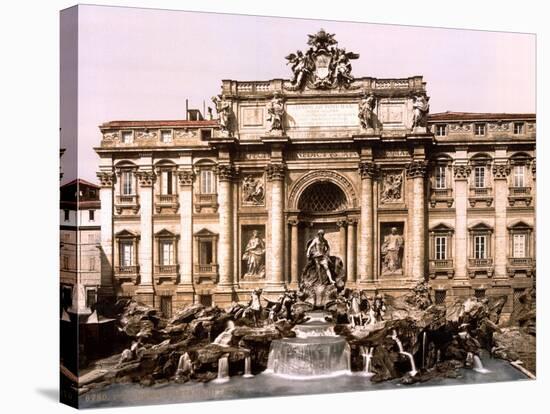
(323, 66)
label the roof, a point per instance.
(80, 181)
(159, 123)
(477, 116)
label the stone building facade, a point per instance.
(208, 210)
(80, 254)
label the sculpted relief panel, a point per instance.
(391, 187)
(253, 190)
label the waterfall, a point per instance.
(478, 366)
(223, 370)
(413, 370)
(224, 339)
(367, 357)
(247, 367)
(315, 352)
(438, 356)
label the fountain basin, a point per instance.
(309, 358)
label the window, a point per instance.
(479, 293)
(205, 252)
(440, 130)
(66, 215)
(127, 179)
(518, 128)
(91, 215)
(479, 129)
(91, 263)
(91, 298)
(440, 296)
(208, 183)
(127, 137)
(126, 253)
(440, 177)
(519, 176)
(440, 247)
(166, 249)
(167, 182)
(166, 136)
(479, 177)
(205, 300)
(480, 247)
(65, 262)
(166, 306)
(519, 245)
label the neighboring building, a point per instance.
(80, 229)
(188, 206)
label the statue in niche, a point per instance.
(253, 190)
(366, 111)
(421, 107)
(254, 254)
(276, 113)
(391, 252)
(323, 275)
(318, 250)
(392, 187)
(223, 107)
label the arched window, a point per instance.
(322, 197)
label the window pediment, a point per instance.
(519, 225)
(126, 234)
(441, 228)
(480, 227)
(166, 234)
(205, 233)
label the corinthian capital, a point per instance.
(416, 169)
(462, 171)
(226, 172)
(367, 169)
(106, 179)
(501, 171)
(185, 177)
(275, 171)
(146, 178)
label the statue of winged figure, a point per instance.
(300, 67)
(342, 67)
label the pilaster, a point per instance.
(146, 179)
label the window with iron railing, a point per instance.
(519, 176)
(479, 177)
(440, 177)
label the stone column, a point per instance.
(500, 177)
(185, 247)
(294, 269)
(343, 241)
(107, 180)
(226, 173)
(416, 172)
(276, 175)
(146, 179)
(351, 250)
(366, 239)
(461, 174)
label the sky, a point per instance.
(138, 64)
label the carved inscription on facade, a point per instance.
(307, 155)
(323, 115)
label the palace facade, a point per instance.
(207, 210)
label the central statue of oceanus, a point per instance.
(324, 275)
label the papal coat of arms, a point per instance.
(324, 65)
